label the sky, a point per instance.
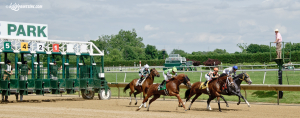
(189, 25)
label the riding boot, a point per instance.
(205, 83)
(140, 80)
(162, 83)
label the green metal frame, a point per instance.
(89, 82)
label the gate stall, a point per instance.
(83, 75)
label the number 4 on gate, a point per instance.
(24, 46)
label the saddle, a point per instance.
(164, 88)
(202, 86)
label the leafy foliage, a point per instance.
(180, 52)
(151, 52)
(212, 62)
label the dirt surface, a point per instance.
(73, 106)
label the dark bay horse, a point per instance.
(149, 81)
(236, 90)
(215, 90)
(172, 89)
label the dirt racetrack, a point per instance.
(71, 106)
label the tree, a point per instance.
(126, 38)
(243, 47)
(161, 54)
(253, 48)
(129, 53)
(102, 43)
(151, 52)
(115, 55)
(180, 52)
(220, 51)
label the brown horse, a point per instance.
(215, 89)
(172, 89)
(149, 81)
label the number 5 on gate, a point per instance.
(24, 46)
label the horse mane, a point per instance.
(223, 74)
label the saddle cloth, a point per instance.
(202, 85)
(164, 88)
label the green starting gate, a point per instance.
(85, 76)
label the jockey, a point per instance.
(229, 71)
(211, 75)
(168, 74)
(143, 73)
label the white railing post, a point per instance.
(125, 77)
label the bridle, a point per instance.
(243, 78)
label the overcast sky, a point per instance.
(190, 25)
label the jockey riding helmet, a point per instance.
(174, 69)
(146, 66)
(216, 69)
(235, 67)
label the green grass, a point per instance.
(252, 95)
(256, 77)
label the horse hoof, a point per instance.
(180, 106)
(227, 105)
(185, 110)
(138, 109)
(238, 103)
(249, 106)
(129, 103)
(220, 111)
(135, 103)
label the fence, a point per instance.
(244, 87)
(201, 72)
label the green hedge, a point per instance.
(131, 62)
(244, 57)
(224, 58)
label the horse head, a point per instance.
(184, 79)
(246, 78)
(154, 72)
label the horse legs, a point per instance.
(241, 96)
(179, 99)
(135, 93)
(145, 100)
(197, 95)
(225, 101)
(145, 105)
(152, 100)
(208, 102)
(219, 104)
(130, 97)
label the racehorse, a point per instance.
(149, 81)
(215, 89)
(172, 89)
(236, 90)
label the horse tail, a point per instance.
(187, 93)
(126, 87)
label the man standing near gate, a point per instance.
(24, 71)
(278, 41)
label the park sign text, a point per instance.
(16, 30)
